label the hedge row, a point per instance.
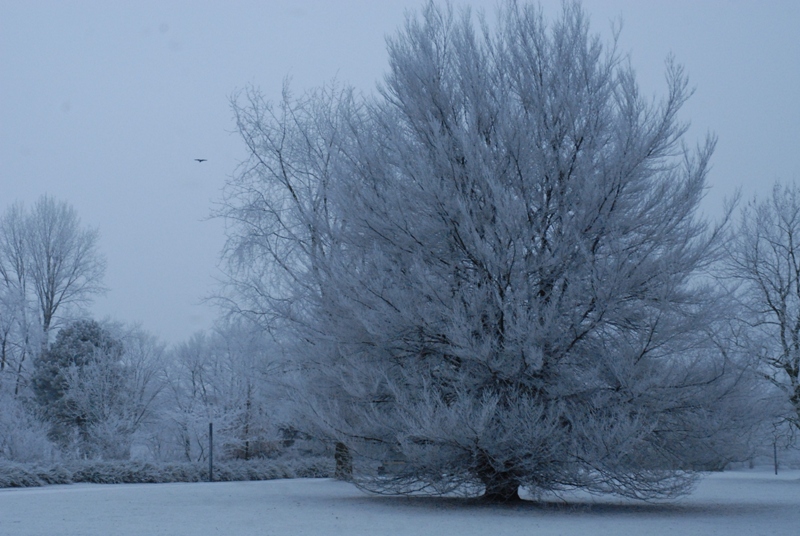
(18, 475)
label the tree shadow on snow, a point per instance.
(602, 506)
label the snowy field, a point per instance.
(735, 503)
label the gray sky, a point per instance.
(106, 104)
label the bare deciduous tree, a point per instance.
(492, 273)
(21, 335)
(65, 267)
(765, 258)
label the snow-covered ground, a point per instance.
(735, 503)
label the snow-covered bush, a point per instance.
(23, 438)
(13, 474)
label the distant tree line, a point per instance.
(72, 387)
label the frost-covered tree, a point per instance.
(138, 417)
(764, 258)
(492, 273)
(225, 377)
(65, 267)
(49, 263)
(72, 377)
(95, 386)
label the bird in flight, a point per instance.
(200, 159)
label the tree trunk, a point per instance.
(19, 375)
(501, 485)
(501, 488)
(344, 462)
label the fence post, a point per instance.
(211, 452)
(775, 454)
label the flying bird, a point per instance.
(200, 159)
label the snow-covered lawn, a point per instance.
(735, 503)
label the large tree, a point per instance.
(492, 273)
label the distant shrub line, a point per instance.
(21, 475)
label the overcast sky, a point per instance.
(106, 105)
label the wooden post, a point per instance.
(211, 452)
